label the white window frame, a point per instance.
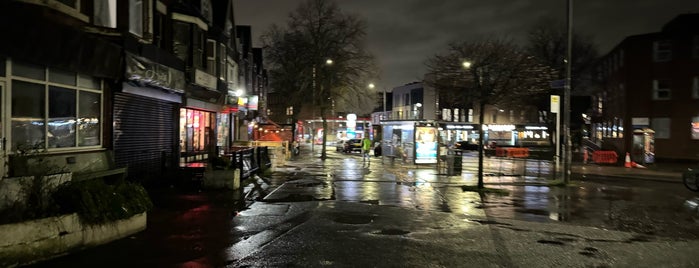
(662, 50)
(46, 83)
(211, 62)
(657, 90)
(146, 22)
(107, 8)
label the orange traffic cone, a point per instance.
(627, 162)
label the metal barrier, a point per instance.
(511, 152)
(605, 157)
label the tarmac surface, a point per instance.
(342, 212)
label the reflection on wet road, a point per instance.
(658, 208)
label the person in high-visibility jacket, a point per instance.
(366, 147)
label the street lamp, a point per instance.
(475, 71)
(313, 134)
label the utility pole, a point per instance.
(568, 153)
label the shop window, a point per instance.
(61, 77)
(695, 128)
(662, 51)
(196, 129)
(59, 115)
(89, 110)
(28, 70)
(85, 81)
(61, 121)
(105, 13)
(28, 100)
(661, 90)
(661, 127)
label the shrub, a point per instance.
(97, 202)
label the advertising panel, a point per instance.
(425, 145)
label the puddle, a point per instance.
(354, 219)
(393, 232)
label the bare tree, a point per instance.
(493, 72)
(547, 41)
(320, 61)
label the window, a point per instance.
(695, 87)
(61, 110)
(695, 128)
(105, 13)
(181, 40)
(136, 17)
(27, 115)
(211, 56)
(662, 51)
(222, 57)
(661, 90)
(661, 126)
(140, 19)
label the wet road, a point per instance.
(208, 229)
(648, 207)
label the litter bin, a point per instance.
(454, 162)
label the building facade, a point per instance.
(649, 103)
(156, 82)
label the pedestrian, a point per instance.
(366, 147)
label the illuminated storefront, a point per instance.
(196, 133)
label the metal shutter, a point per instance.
(144, 135)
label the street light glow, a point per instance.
(371, 85)
(466, 64)
(329, 61)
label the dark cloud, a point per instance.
(402, 34)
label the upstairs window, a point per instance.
(105, 13)
(211, 56)
(662, 51)
(140, 18)
(661, 90)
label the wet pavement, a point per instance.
(310, 213)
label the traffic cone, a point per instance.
(627, 162)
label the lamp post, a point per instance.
(476, 72)
(566, 97)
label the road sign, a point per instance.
(555, 104)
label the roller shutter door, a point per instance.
(144, 135)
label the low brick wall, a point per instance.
(32, 241)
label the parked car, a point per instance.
(466, 146)
(340, 145)
(353, 145)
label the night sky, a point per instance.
(402, 34)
